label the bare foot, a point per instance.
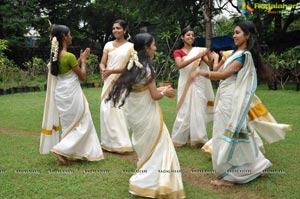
(221, 183)
(177, 145)
(62, 160)
(262, 175)
(198, 145)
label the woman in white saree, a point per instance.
(66, 100)
(235, 154)
(158, 173)
(195, 99)
(114, 131)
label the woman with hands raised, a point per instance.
(239, 114)
(66, 101)
(195, 98)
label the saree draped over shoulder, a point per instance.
(114, 131)
(235, 154)
(194, 105)
(50, 125)
(158, 173)
(79, 139)
(262, 124)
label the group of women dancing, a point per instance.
(129, 103)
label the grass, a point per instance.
(24, 173)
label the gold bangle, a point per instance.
(223, 58)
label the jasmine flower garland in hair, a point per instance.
(54, 48)
(134, 58)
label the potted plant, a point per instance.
(167, 70)
(93, 72)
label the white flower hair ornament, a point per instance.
(134, 58)
(54, 48)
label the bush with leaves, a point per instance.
(8, 68)
(92, 68)
(165, 65)
(286, 65)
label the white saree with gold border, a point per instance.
(50, 125)
(79, 139)
(114, 131)
(194, 104)
(235, 154)
(262, 124)
(158, 173)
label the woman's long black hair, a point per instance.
(248, 27)
(58, 31)
(128, 78)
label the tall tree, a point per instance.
(274, 24)
(16, 20)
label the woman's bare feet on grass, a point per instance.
(221, 183)
(62, 160)
(262, 175)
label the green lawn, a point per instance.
(24, 173)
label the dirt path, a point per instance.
(20, 133)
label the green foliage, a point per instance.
(165, 67)
(7, 67)
(12, 76)
(36, 67)
(92, 68)
(224, 26)
(286, 65)
(3, 46)
(17, 17)
(164, 62)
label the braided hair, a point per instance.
(56, 37)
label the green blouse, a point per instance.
(67, 62)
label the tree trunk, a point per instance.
(208, 8)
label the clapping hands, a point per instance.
(84, 54)
(168, 91)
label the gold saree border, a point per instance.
(210, 103)
(138, 89)
(76, 156)
(49, 132)
(236, 135)
(161, 192)
(187, 84)
(117, 150)
(257, 111)
(156, 141)
(49, 86)
(207, 150)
